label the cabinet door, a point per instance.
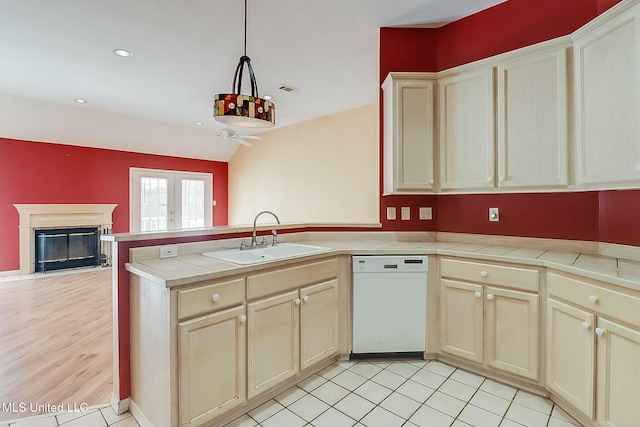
(467, 143)
(318, 323)
(211, 376)
(532, 121)
(408, 134)
(272, 342)
(618, 374)
(461, 320)
(571, 355)
(511, 331)
(607, 76)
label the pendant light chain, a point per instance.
(245, 27)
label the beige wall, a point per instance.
(321, 170)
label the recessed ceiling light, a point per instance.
(198, 123)
(122, 52)
(267, 97)
(81, 101)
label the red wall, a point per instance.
(35, 172)
(610, 216)
(620, 217)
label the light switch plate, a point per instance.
(391, 213)
(406, 213)
(168, 251)
(426, 213)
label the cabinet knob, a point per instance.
(243, 318)
(490, 297)
(215, 297)
(501, 179)
(593, 298)
(478, 294)
(599, 332)
(489, 179)
(431, 181)
(305, 298)
(637, 168)
(585, 325)
(484, 273)
(297, 301)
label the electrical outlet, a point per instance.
(168, 251)
(494, 214)
(426, 213)
(391, 213)
(406, 213)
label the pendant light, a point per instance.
(236, 109)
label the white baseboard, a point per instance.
(138, 415)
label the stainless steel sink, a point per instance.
(265, 254)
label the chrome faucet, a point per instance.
(254, 240)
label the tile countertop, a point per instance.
(186, 269)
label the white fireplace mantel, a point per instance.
(39, 216)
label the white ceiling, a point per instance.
(184, 52)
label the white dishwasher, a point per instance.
(389, 304)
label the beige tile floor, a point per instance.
(373, 394)
(403, 393)
(96, 416)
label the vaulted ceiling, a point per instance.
(184, 52)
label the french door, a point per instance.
(168, 200)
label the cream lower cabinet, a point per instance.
(318, 323)
(461, 320)
(211, 375)
(273, 344)
(493, 326)
(593, 349)
(293, 330)
(571, 355)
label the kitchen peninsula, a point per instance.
(567, 275)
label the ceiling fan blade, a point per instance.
(249, 137)
(243, 142)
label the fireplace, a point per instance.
(61, 248)
(37, 217)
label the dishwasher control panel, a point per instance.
(389, 263)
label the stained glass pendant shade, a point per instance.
(237, 109)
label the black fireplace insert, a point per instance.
(67, 248)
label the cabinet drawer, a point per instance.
(285, 279)
(205, 299)
(490, 274)
(607, 302)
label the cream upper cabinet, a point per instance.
(607, 97)
(203, 362)
(408, 133)
(272, 341)
(466, 130)
(318, 322)
(532, 121)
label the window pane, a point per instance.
(153, 204)
(193, 200)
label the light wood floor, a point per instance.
(56, 340)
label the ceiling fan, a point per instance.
(232, 135)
